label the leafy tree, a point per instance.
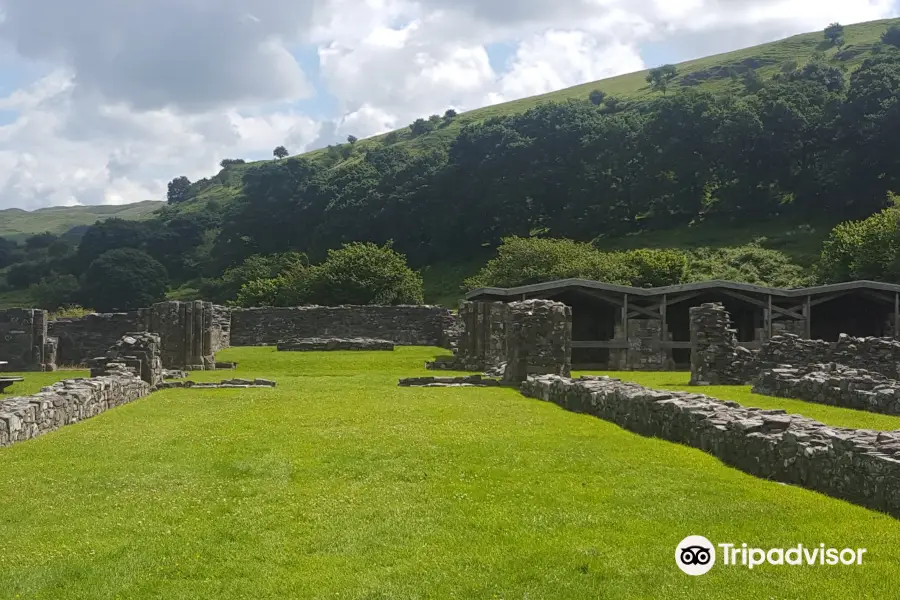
(450, 114)
(364, 273)
(659, 78)
(280, 152)
(865, 249)
(10, 253)
(597, 97)
(124, 279)
(752, 81)
(227, 162)
(891, 37)
(750, 263)
(257, 267)
(352, 139)
(110, 234)
(179, 190)
(420, 127)
(834, 32)
(56, 291)
(40, 241)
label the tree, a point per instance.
(597, 97)
(280, 152)
(834, 32)
(40, 241)
(420, 126)
(56, 291)
(364, 273)
(227, 162)
(450, 114)
(892, 36)
(110, 234)
(867, 249)
(352, 139)
(660, 77)
(125, 279)
(179, 190)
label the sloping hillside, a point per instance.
(17, 224)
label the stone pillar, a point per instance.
(716, 358)
(185, 331)
(481, 339)
(24, 343)
(138, 352)
(538, 340)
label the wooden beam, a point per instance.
(635, 310)
(609, 344)
(807, 315)
(751, 300)
(662, 317)
(896, 314)
(827, 298)
(769, 317)
(878, 295)
(625, 317)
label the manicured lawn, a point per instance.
(830, 415)
(339, 484)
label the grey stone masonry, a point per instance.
(218, 385)
(322, 344)
(538, 339)
(138, 352)
(832, 384)
(24, 342)
(480, 340)
(83, 338)
(403, 325)
(64, 403)
(186, 333)
(858, 465)
(467, 381)
(716, 359)
(879, 355)
(644, 352)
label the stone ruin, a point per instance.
(137, 353)
(186, 333)
(328, 344)
(716, 358)
(510, 341)
(833, 384)
(24, 342)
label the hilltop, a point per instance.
(17, 224)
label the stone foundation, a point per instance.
(225, 384)
(538, 339)
(467, 381)
(24, 341)
(832, 384)
(64, 403)
(323, 344)
(858, 465)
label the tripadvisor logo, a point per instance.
(696, 555)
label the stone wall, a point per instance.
(221, 327)
(403, 325)
(879, 355)
(139, 352)
(644, 352)
(328, 344)
(83, 338)
(65, 402)
(832, 384)
(858, 465)
(716, 358)
(24, 340)
(538, 339)
(185, 331)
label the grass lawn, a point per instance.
(339, 484)
(35, 381)
(830, 415)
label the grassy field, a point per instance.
(339, 484)
(17, 224)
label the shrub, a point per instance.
(257, 266)
(56, 291)
(867, 249)
(125, 279)
(747, 264)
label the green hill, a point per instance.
(17, 224)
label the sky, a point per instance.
(105, 101)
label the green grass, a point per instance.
(830, 415)
(35, 381)
(339, 484)
(17, 224)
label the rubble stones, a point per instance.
(139, 352)
(467, 381)
(858, 465)
(66, 402)
(877, 355)
(224, 384)
(833, 384)
(324, 344)
(85, 337)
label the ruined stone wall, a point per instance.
(186, 332)
(139, 352)
(833, 384)
(84, 338)
(403, 325)
(24, 341)
(858, 465)
(644, 352)
(879, 355)
(65, 402)
(716, 358)
(538, 339)
(221, 327)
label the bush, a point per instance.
(867, 249)
(125, 279)
(56, 291)
(227, 287)
(364, 273)
(747, 264)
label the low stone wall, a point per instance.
(403, 325)
(64, 403)
(878, 355)
(323, 344)
(858, 465)
(24, 340)
(90, 336)
(832, 384)
(716, 358)
(221, 327)
(138, 352)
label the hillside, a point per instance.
(712, 73)
(17, 224)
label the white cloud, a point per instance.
(138, 92)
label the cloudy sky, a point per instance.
(104, 101)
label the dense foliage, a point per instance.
(124, 279)
(523, 261)
(866, 249)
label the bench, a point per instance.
(5, 382)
